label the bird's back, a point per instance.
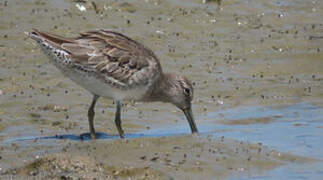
(104, 62)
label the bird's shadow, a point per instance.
(81, 137)
(98, 135)
(165, 132)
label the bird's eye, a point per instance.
(187, 91)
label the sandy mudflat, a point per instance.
(256, 67)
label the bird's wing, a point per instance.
(115, 57)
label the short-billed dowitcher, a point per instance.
(112, 65)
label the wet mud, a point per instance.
(257, 73)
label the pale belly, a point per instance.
(98, 87)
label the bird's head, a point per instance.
(179, 91)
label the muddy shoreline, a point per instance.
(175, 157)
(256, 67)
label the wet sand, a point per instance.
(179, 157)
(241, 54)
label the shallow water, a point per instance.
(256, 65)
(296, 129)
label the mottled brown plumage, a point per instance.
(112, 65)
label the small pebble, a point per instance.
(143, 157)
(154, 158)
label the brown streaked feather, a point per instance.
(110, 54)
(56, 40)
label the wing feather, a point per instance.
(113, 56)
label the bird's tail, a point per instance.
(53, 39)
(35, 35)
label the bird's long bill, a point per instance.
(189, 115)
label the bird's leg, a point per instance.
(90, 115)
(118, 120)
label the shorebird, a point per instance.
(111, 65)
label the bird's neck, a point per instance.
(162, 87)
